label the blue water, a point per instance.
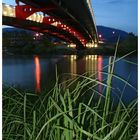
(39, 73)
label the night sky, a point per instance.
(119, 14)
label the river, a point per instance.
(36, 73)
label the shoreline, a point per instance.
(106, 52)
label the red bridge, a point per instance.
(72, 21)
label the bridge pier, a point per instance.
(80, 47)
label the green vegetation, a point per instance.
(129, 44)
(67, 113)
(25, 43)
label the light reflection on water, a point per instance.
(38, 73)
(99, 63)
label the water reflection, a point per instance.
(73, 65)
(90, 64)
(100, 67)
(37, 73)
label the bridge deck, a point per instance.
(74, 12)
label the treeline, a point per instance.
(22, 42)
(129, 44)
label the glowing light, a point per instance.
(95, 45)
(90, 45)
(37, 73)
(72, 45)
(113, 32)
(55, 24)
(34, 16)
(100, 61)
(73, 65)
(38, 18)
(4, 13)
(73, 57)
(37, 34)
(100, 36)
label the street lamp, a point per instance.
(100, 36)
(37, 34)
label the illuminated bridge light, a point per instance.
(95, 45)
(34, 16)
(54, 23)
(89, 45)
(5, 13)
(72, 45)
(8, 10)
(41, 18)
(11, 14)
(37, 18)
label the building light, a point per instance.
(95, 45)
(37, 34)
(100, 36)
(72, 45)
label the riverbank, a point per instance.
(68, 113)
(65, 114)
(59, 50)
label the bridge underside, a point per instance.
(42, 28)
(74, 13)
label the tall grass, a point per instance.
(64, 114)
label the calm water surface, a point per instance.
(39, 73)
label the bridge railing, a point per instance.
(8, 10)
(88, 2)
(36, 17)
